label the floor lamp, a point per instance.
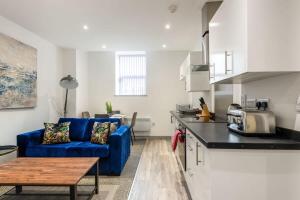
(68, 83)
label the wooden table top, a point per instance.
(45, 171)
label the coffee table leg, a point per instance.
(18, 189)
(97, 178)
(73, 192)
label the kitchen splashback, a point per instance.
(283, 92)
(223, 98)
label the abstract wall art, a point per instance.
(18, 74)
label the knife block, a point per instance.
(205, 111)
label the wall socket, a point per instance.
(298, 104)
(265, 100)
(251, 102)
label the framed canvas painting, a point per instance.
(18, 74)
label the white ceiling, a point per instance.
(120, 24)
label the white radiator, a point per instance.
(142, 124)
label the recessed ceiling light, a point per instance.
(104, 46)
(85, 27)
(164, 46)
(167, 26)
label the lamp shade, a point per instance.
(68, 82)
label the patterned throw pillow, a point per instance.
(113, 127)
(56, 133)
(100, 133)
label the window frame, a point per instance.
(117, 76)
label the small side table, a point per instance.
(7, 149)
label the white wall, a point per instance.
(69, 68)
(16, 121)
(82, 78)
(282, 91)
(75, 63)
(164, 90)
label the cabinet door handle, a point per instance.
(190, 148)
(197, 154)
(227, 54)
(225, 62)
(212, 73)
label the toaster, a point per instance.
(251, 122)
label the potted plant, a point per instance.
(108, 107)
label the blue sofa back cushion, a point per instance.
(77, 127)
(88, 133)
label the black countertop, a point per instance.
(216, 135)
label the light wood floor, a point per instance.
(158, 176)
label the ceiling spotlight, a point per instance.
(104, 46)
(85, 27)
(164, 46)
(167, 26)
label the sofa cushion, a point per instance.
(113, 127)
(90, 125)
(100, 132)
(87, 149)
(77, 128)
(72, 149)
(56, 133)
(49, 150)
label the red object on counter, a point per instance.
(177, 136)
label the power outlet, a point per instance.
(263, 100)
(262, 103)
(298, 104)
(153, 123)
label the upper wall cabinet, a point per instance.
(251, 39)
(196, 77)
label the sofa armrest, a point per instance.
(119, 145)
(29, 138)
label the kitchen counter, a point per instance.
(216, 135)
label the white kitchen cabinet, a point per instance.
(227, 39)
(197, 173)
(193, 58)
(202, 172)
(235, 174)
(183, 70)
(182, 74)
(195, 81)
(189, 164)
(248, 37)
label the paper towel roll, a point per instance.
(297, 122)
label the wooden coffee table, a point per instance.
(48, 172)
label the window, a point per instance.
(130, 73)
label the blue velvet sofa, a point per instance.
(113, 155)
